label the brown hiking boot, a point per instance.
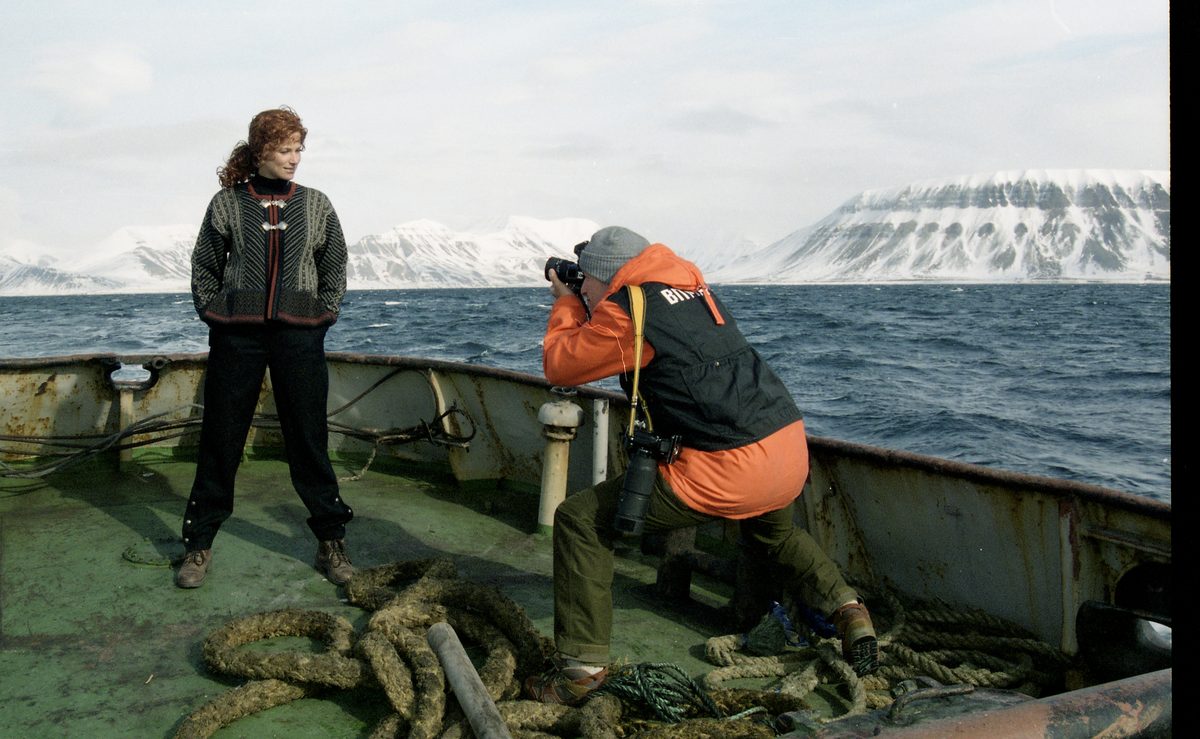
(332, 559)
(859, 645)
(195, 568)
(564, 685)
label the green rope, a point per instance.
(665, 687)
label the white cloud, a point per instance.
(677, 117)
(88, 80)
(718, 119)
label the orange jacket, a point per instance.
(735, 483)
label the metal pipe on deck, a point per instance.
(468, 688)
(124, 421)
(599, 441)
(560, 423)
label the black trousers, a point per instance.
(237, 361)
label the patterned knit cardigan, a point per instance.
(262, 257)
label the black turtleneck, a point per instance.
(269, 185)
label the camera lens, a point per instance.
(568, 273)
(635, 495)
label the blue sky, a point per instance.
(685, 121)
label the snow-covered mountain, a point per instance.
(426, 254)
(1009, 226)
(22, 278)
(717, 252)
(419, 254)
(135, 259)
(145, 255)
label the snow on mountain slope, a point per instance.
(427, 254)
(1007, 226)
(1002, 227)
(145, 255)
(19, 278)
(419, 254)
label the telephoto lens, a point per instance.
(635, 495)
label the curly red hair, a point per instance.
(269, 129)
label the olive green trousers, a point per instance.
(583, 561)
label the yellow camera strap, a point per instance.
(637, 311)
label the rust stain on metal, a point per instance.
(1068, 512)
(45, 385)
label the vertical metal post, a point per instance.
(599, 441)
(124, 421)
(560, 421)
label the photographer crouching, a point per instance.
(714, 434)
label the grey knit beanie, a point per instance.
(608, 250)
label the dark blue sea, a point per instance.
(1069, 381)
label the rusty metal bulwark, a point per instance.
(1084, 492)
(77, 396)
(1026, 548)
(502, 403)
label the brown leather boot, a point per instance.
(195, 568)
(859, 645)
(332, 558)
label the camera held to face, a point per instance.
(645, 451)
(568, 273)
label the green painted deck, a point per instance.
(93, 644)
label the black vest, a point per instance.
(705, 383)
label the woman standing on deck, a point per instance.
(268, 277)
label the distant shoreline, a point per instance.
(1024, 281)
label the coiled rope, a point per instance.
(391, 654)
(950, 646)
(647, 701)
(664, 687)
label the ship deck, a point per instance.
(96, 640)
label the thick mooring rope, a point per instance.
(647, 701)
(391, 654)
(952, 647)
